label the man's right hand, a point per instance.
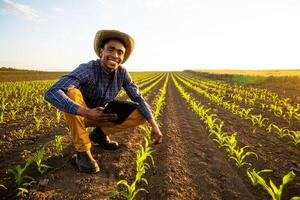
(96, 114)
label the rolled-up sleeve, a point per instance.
(56, 94)
(135, 95)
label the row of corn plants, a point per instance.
(256, 119)
(144, 151)
(236, 153)
(281, 107)
(143, 83)
(287, 112)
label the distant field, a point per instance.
(29, 75)
(255, 72)
(285, 82)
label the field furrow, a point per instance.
(189, 164)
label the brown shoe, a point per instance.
(97, 136)
(85, 163)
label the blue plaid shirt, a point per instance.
(94, 85)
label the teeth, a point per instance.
(112, 60)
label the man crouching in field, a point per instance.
(83, 93)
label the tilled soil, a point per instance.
(188, 164)
(274, 153)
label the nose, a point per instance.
(115, 54)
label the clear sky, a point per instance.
(169, 34)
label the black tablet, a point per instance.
(122, 108)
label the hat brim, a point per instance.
(106, 34)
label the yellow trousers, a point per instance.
(78, 124)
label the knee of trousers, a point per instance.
(72, 93)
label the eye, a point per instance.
(120, 52)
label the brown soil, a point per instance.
(188, 164)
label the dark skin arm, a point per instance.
(96, 114)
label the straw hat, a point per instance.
(106, 34)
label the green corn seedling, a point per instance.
(21, 133)
(285, 101)
(241, 113)
(295, 135)
(231, 144)
(18, 173)
(48, 105)
(258, 119)
(269, 129)
(131, 189)
(58, 115)
(263, 105)
(246, 112)
(239, 156)
(48, 122)
(11, 104)
(220, 139)
(34, 110)
(272, 189)
(290, 113)
(26, 113)
(141, 166)
(58, 146)
(203, 112)
(251, 102)
(297, 116)
(39, 158)
(3, 104)
(210, 121)
(37, 121)
(13, 114)
(217, 129)
(23, 190)
(252, 175)
(281, 132)
(234, 108)
(226, 105)
(1, 117)
(274, 97)
(277, 110)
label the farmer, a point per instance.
(83, 93)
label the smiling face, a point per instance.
(112, 55)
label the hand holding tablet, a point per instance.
(122, 108)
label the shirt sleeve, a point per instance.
(56, 94)
(135, 95)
